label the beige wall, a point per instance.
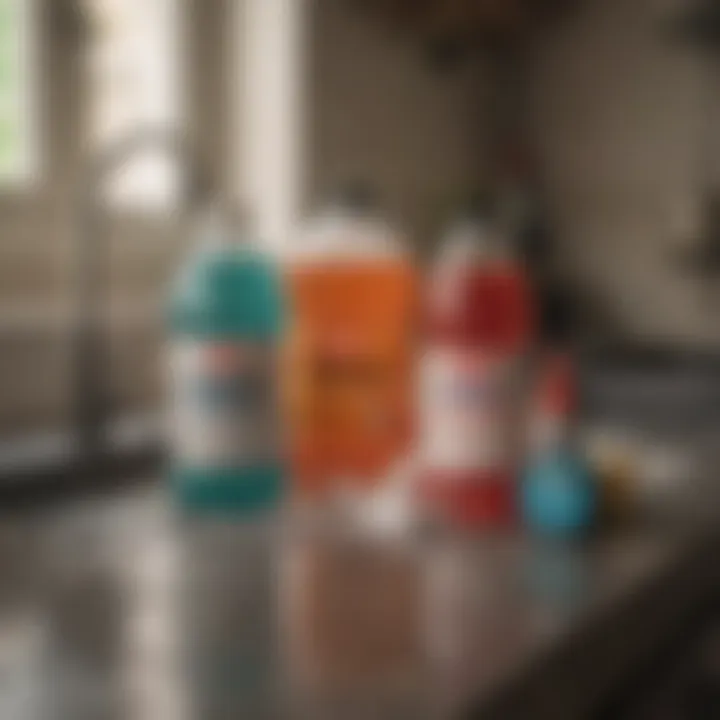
(34, 241)
(379, 111)
(619, 113)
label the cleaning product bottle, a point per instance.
(479, 329)
(352, 283)
(559, 494)
(226, 320)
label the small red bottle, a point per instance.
(479, 320)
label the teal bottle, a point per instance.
(226, 321)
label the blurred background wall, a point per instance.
(414, 132)
(619, 119)
(380, 109)
(39, 222)
(616, 110)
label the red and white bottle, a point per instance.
(479, 328)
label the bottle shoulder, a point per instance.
(229, 291)
(335, 238)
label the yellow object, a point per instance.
(618, 478)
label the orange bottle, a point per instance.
(352, 286)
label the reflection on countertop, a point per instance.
(116, 608)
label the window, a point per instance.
(135, 83)
(269, 113)
(17, 116)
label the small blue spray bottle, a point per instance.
(559, 494)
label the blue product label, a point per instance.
(225, 409)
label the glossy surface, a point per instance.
(116, 609)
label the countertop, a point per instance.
(115, 608)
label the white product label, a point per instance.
(225, 408)
(467, 409)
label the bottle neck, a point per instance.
(341, 232)
(472, 242)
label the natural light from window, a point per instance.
(135, 84)
(18, 144)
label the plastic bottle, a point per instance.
(226, 320)
(479, 328)
(353, 291)
(559, 492)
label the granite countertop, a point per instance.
(113, 608)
